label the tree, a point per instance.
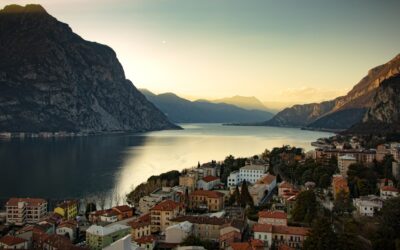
(305, 208)
(90, 207)
(234, 199)
(388, 236)
(245, 197)
(342, 204)
(321, 236)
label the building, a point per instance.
(188, 181)
(284, 187)
(273, 217)
(12, 242)
(344, 162)
(249, 173)
(381, 151)
(67, 209)
(387, 192)
(123, 212)
(231, 232)
(205, 227)
(98, 237)
(339, 184)
(362, 156)
(141, 227)
(146, 242)
(56, 242)
(163, 212)
(212, 201)
(249, 245)
(69, 229)
(368, 205)
(257, 192)
(280, 235)
(25, 210)
(263, 232)
(177, 233)
(147, 202)
(269, 180)
(125, 243)
(208, 182)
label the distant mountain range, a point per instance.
(52, 80)
(181, 110)
(360, 104)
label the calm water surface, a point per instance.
(77, 167)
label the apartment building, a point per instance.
(25, 210)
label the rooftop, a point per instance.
(267, 179)
(389, 188)
(210, 178)
(30, 201)
(184, 226)
(275, 214)
(207, 193)
(102, 231)
(201, 220)
(167, 205)
(10, 240)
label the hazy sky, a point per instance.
(276, 50)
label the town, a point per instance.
(342, 195)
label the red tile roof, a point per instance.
(11, 240)
(389, 188)
(146, 239)
(290, 230)
(69, 223)
(275, 214)
(285, 184)
(241, 246)
(210, 178)
(207, 193)
(123, 208)
(267, 179)
(167, 205)
(142, 221)
(265, 228)
(59, 242)
(30, 201)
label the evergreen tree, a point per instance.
(245, 197)
(321, 236)
(305, 208)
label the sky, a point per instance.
(286, 51)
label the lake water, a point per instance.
(60, 168)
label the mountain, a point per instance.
(245, 102)
(53, 80)
(181, 110)
(383, 117)
(342, 112)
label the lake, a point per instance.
(59, 168)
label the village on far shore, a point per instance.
(280, 199)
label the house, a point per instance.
(146, 242)
(263, 232)
(123, 212)
(280, 235)
(208, 182)
(177, 233)
(250, 173)
(257, 192)
(384, 182)
(125, 243)
(368, 205)
(141, 227)
(163, 212)
(211, 201)
(98, 237)
(381, 151)
(58, 242)
(67, 209)
(273, 217)
(109, 216)
(205, 227)
(284, 187)
(12, 242)
(344, 162)
(387, 192)
(249, 245)
(25, 210)
(69, 229)
(147, 202)
(231, 232)
(339, 184)
(188, 181)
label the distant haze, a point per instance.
(278, 51)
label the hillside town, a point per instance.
(280, 199)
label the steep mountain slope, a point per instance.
(184, 111)
(336, 114)
(384, 114)
(53, 80)
(245, 102)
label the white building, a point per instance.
(387, 192)
(368, 205)
(68, 229)
(344, 162)
(147, 202)
(249, 173)
(273, 217)
(25, 210)
(208, 182)
(263, 232)
(179, 232)
(124, 243)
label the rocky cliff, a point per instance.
(53, 80)
(383, 116)
(342, 112)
